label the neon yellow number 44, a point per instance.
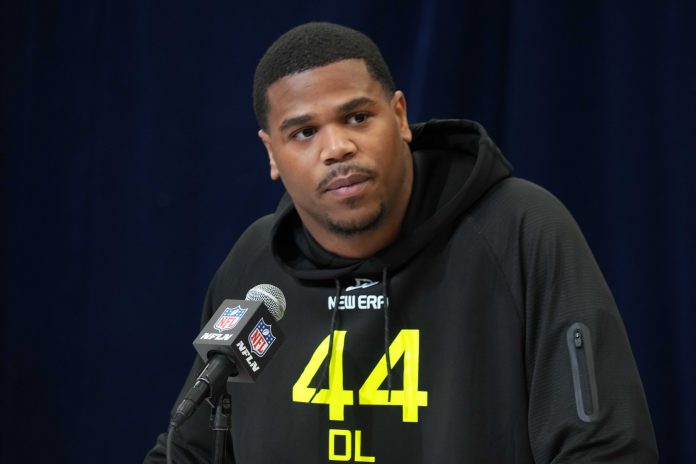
(335, 396)
(406, 345)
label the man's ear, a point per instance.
(266, 139)
(398, 103)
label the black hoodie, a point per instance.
(484, 334)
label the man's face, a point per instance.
(339, 144)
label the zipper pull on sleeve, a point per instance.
(579, 342)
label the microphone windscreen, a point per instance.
(271, 296)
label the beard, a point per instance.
(354, 227)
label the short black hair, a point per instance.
(313, 45)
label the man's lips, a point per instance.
(344, 182)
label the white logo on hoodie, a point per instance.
(361, 283)
(357, 301)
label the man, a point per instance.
(463, 313)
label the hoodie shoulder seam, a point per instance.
(494, 256)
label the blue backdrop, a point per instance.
(130, 164)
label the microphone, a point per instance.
(237, 343)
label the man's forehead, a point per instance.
(335, 86)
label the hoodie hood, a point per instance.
(455, 163)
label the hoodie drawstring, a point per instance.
(387, 338)
(325, 367)
(387, 341)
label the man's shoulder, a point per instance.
(251, 243)
(260, 228)
(250, 251)
(256, 236)
(516, 207)
(516, 199)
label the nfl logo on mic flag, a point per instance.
(230, 318)
(261, 338)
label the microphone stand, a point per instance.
(220, 423)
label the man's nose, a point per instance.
(337, 145)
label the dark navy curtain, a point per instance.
(130, 164)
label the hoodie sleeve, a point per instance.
(586, 401)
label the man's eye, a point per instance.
(303, 134)
(357, 118)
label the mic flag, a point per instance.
(236, 344)
(244, 331)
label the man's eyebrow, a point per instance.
(346, 107)
(295, 121)
(349, 106)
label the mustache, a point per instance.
(344, 170)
